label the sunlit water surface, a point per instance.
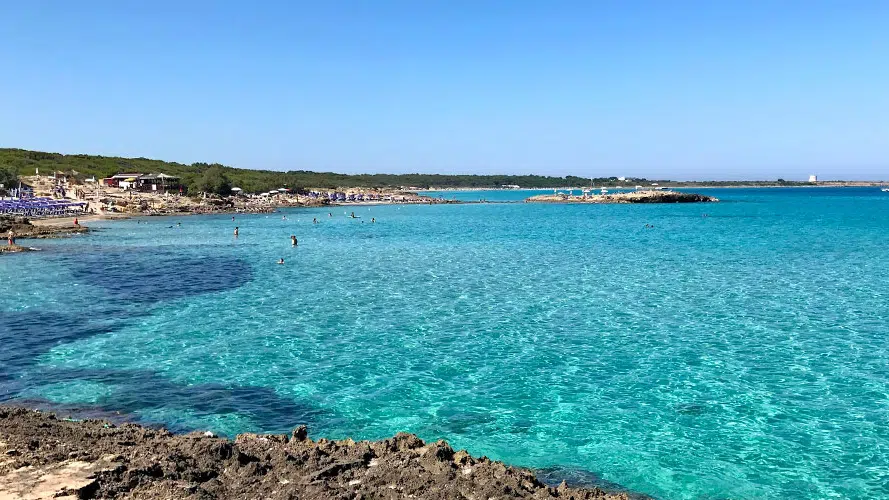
(738, 355)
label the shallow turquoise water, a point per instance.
(740, 355)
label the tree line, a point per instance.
(220, 179)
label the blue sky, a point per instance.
(665, 89)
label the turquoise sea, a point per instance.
(740, 355)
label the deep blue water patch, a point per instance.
(25, 335)
(139, 392)
(154, 275)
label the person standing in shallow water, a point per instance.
(236, 230)
(293, 241)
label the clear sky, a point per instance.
(660, 88)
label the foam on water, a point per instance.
(740, 355)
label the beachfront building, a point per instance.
(159, 183)
(813, 178)
(152, 183)
(123, 181)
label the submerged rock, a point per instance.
(15, 249)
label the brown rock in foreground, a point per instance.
(44, 457)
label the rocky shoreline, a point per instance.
(42, 456)
(632, 197)
(25, 229)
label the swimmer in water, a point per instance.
(233, 218)
(236, 230)
(373, 220)
(353, 215)
(280, 261)
(330, 214)
(314, 220)
(284, 218)
(293, 240)
(178, 224)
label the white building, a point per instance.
(813, 178)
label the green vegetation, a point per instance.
(216, 178)
(8, 178)
(220, 179)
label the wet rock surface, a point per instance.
(42, 456)
(23, 229)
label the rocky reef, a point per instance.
(42, 456)
(24, 229)
(632, 197)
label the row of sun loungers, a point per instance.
(41, 207)
(343, 197)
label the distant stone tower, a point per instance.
(813, 178)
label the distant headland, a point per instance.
(645, 196)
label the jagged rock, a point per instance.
(131, 461)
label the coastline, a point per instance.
(62, 227)
(44, 456)
(825, 184)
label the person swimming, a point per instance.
(236, 230)
(280, 261)
(330, 214)
(284, 218)
(314, 220)
(178, 224)
(353, 215)
(233, 218)
(293, 241)
(373, 220)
